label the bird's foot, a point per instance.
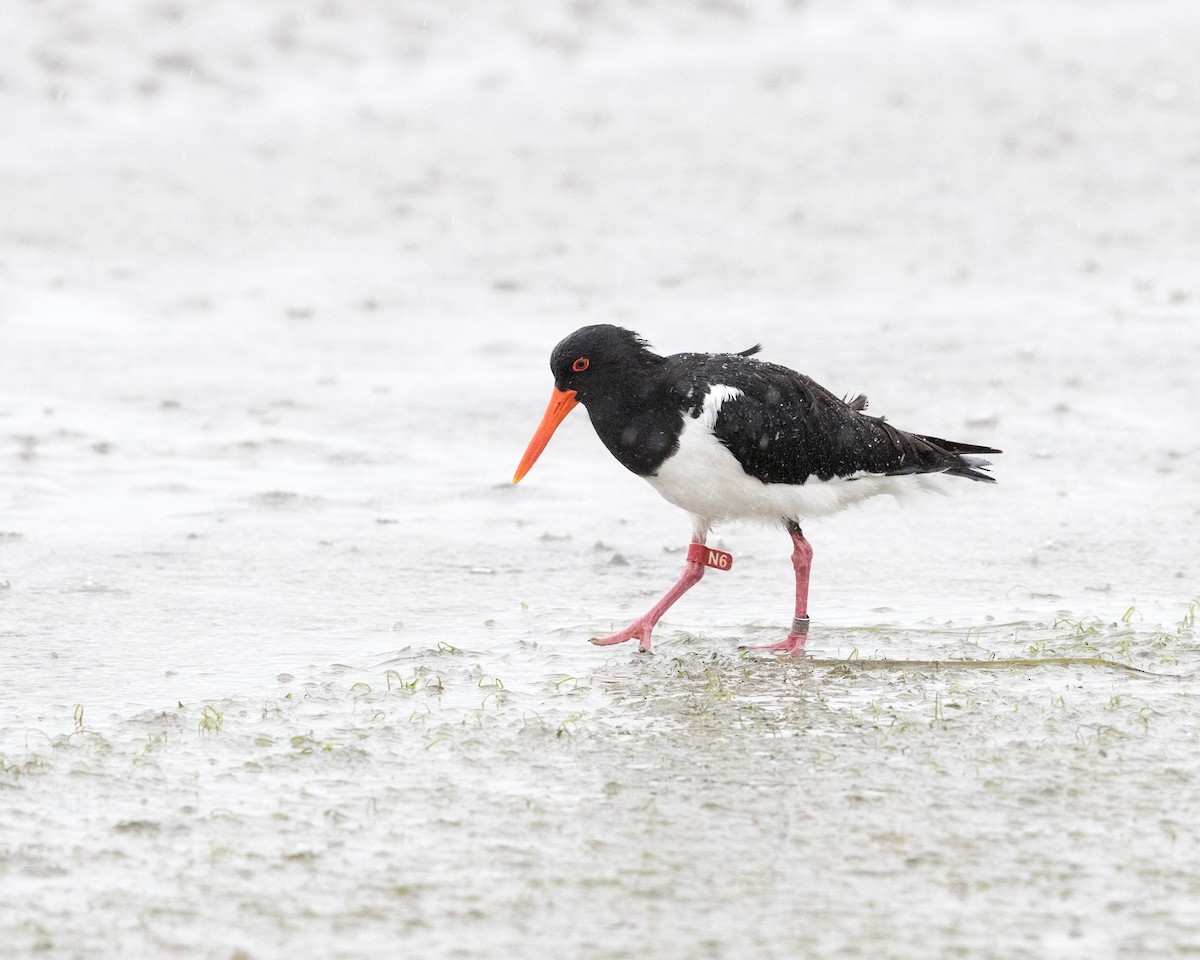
(792, 645)
(639, 628)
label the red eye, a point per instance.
(580, 365)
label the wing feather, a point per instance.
(784, 427)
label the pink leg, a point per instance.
(642, 626)
(802, 553)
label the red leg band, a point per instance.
(717, 559)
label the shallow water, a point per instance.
(289, 664)
(497, 801)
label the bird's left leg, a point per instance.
(643, 625)
(802, 553)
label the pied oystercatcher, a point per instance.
(728, 437)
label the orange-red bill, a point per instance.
(562, 402)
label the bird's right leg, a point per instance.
(802, 553)
(641, 627)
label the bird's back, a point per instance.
(784, 427)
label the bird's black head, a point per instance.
(599, 360)
(596, 364)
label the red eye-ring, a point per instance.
(580, 365)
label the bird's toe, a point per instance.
(637, 629)
(791, 646)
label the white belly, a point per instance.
(706, 480)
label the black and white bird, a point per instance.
(729, 437)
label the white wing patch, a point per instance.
(717, 394)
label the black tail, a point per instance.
(969, 464)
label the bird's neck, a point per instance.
(636, 426)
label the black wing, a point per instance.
(785, 427)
